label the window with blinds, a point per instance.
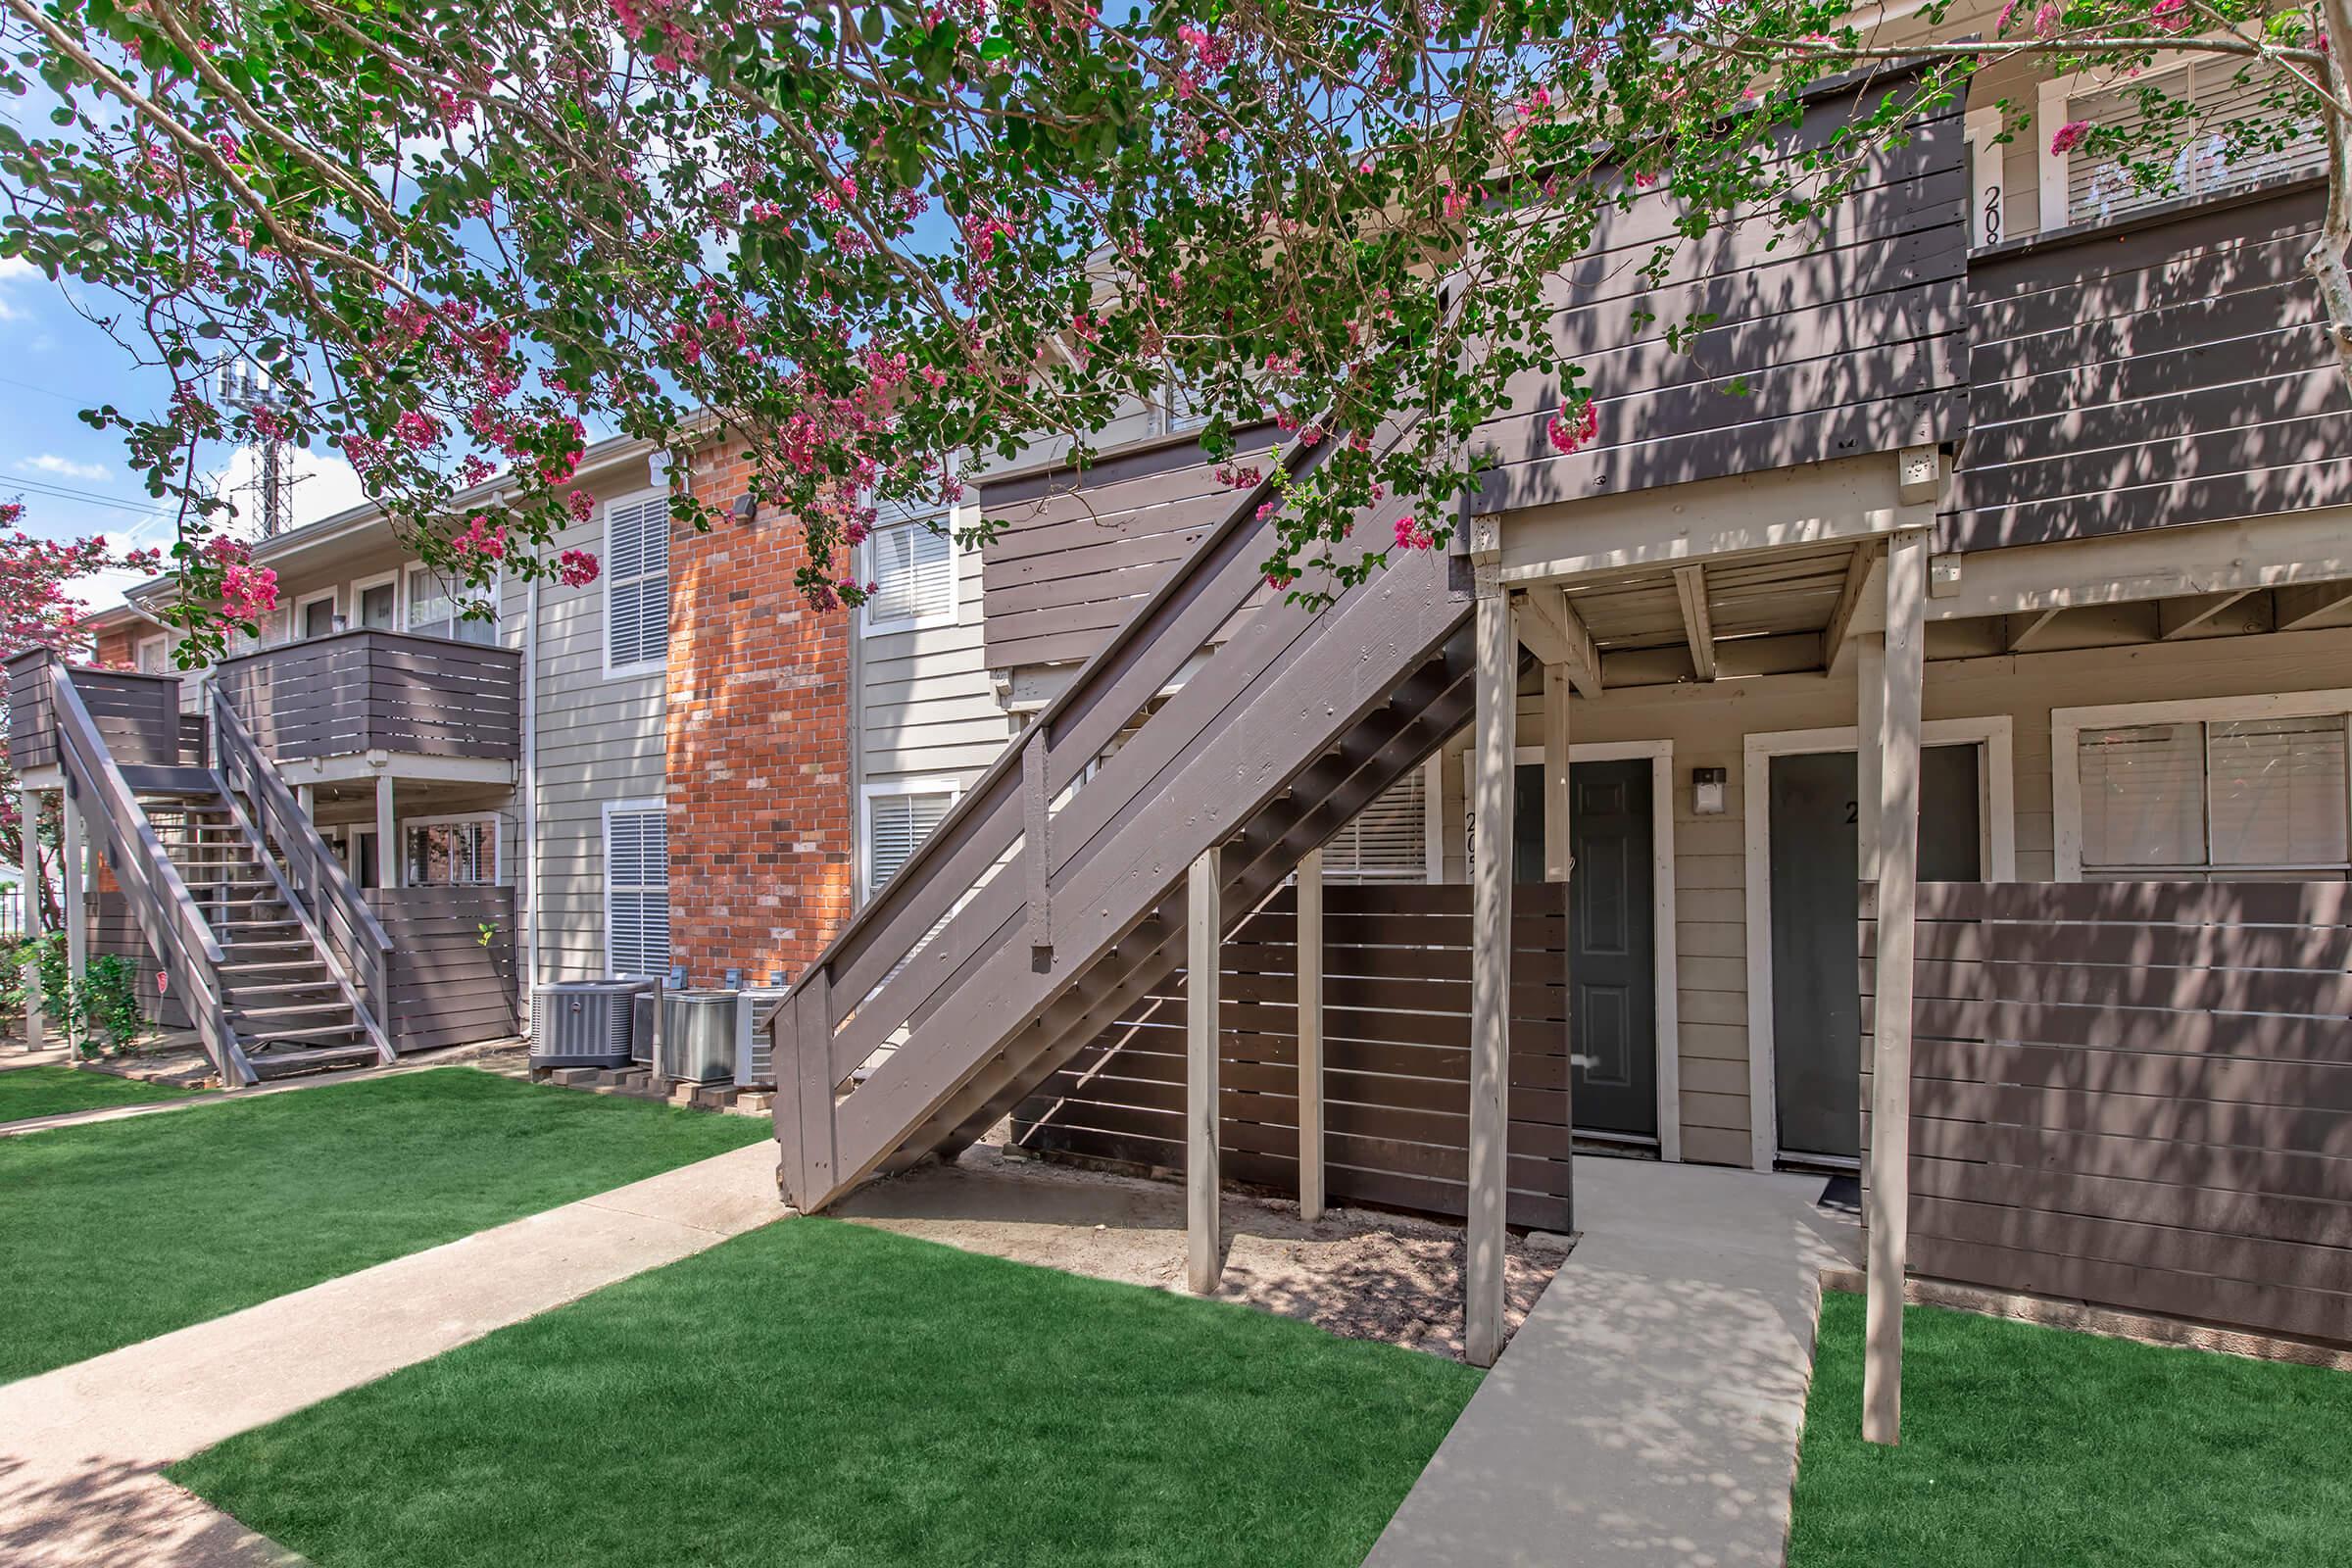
(896, 825)
(2098, 190)
(436, 611)
(1386, 843)
(2249, 796)
(636, 585)
(637, 890)
(912, 569)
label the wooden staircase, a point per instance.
(261, 935)
(1053, 897)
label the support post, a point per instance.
(307, 796)
(387, 841)
(812, 1137)
(1870, 732)
(75, 888)
(1897, 878)
(29, 824)
(1204, 928)
(1496, 686)
(1310, 1036)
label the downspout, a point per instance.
(527, 971)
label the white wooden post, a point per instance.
(75, 896)
(306, 797)
(28, 821)
(1490, 971)
(387, 844)
(1204, 929)
(1870, 730)
(1310, 1036)
(1897, 878)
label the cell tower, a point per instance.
(243, 387)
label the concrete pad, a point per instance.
(1648, 1411)
(79, 1446)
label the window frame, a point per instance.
(632, 807)
(2054, 96)
(869, 793)
(331, 597)
(2067, 725)
(612, 581)
(498, 849)
(1986, 167)
(868, 625)
(161, 641)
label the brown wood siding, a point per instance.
(362, 691)
(2137, 1095)
(115, 929)
(2173, 370)
(1851, 339)
(447, 987)
(137, 716)
(32, 727)
(1396, 1057)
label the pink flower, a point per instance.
(248, 592)
(2045, 19)
(581, 504)
(482, 538)
(1411, 535)
(1574, 436)
(2170, 15)
(2070, 136)
(417, 429)
(576, 569)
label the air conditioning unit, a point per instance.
(754, 1045)
(585, 1023)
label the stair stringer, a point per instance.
(1283, 692)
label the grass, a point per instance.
(2030, 1446)
(52, 1089)
(115, 1232)
(822, 1393)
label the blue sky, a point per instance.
(73, 480)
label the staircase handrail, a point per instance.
(1135, 665)
(318, 889)
(167, 910)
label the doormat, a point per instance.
(1842, 1193)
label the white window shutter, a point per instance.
(1385, 842)
(896, 827)
(637, 582)
(637, 892)
(913, 572)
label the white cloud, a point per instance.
(15, 270)
(67, 468)
(323, 485)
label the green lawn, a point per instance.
(52, 1089)
(2030, 1446)
(822, 1393)
(119, 1231)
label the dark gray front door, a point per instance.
(1816, 990)
(1612, 940)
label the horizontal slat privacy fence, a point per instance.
(1396, 1057)
(137, 716)
(362, 691)
(2136, 1094)
(448, 986)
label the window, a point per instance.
(2091, 190)
(1387, 842)
(896, 825)
(637, 889)
(2189, 798)
(316, 618)
(1174, 408)
(379, 605)
(153, 655)
(435, 610)
(453, 854)
(637, 584)
(912, 567)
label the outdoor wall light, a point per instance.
(1706, 791)
(746, 507)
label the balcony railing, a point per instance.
(378, 691)
(137, 717)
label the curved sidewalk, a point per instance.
(81, 1447)
(1648, 1412)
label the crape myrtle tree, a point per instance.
(40, 608)
(867, 244)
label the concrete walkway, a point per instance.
(79, 1446)
(1648, 1411)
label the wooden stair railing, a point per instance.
(975, 1012)
(159, 899)
(346, 934)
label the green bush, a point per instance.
(107, 1005)
(100, 1016)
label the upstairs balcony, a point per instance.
(334, 710)
(331, 709)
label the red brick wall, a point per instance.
(759, 730)
(114, 649)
